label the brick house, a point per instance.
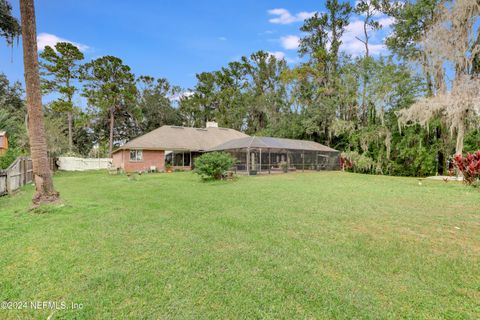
(178, 147)
(173, 145)
(3, 142)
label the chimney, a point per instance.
(212, 124)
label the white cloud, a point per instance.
(279, 55)
(290, 42)
(47, 39)
(355, 47)
(181, 95)
(222, 38)
(386, 22)
(266, 32)
(283, 16)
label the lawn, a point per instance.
(294, 246)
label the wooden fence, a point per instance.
(17, 175)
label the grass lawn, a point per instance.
(307, 246)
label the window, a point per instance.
(181, 159)
(136, 155)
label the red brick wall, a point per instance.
(121, 159)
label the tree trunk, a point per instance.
(365, 74)
(70, 131)
(110, 140)
(36, 131)
(460, 136)
(428, 77)
(364, 111)
(440, 86)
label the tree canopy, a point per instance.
(404, 113)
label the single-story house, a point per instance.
(178, 146)
(3, 142)
(173, 145)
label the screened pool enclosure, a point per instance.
(269, 155)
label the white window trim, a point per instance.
(137, 151)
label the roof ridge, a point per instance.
(251, 141)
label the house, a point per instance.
(171, 145)
(3, 142)
(178, 146)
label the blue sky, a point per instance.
(176, 39)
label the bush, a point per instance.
(8, 158)
(213, 165)
(360, 163)
(469, 166)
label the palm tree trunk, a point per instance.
(36, 131)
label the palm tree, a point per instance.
(36, 133)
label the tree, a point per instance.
(45, 191)
(110, 87)
(368, 9)
(9, 26)
(450, 40)
(246, 95)
(412, 20)
(202, 106)
(60, 69)
(155, 103)
(318, 78)
(13, 113)
(266, 92)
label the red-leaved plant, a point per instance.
(345, 163)
(469, 166)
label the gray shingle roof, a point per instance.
(271, 143)
(183, 138)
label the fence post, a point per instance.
(25, 170)
(7, 182)
(22, 172)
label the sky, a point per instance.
(178, 39)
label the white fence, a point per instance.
(82, 164)
(16, 175)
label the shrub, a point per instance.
(469, 166)
(8, 158)
(213, 165)
(353, 161)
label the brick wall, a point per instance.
(156, 158)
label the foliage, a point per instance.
(368, 104)
(246, 95)
(469, 166)
(57, 138)
(155, 103)
(213, 165)
(60, 69)
(9, 157)
(110, 88)
(358, 162)
(472, 141)
(9, 25)
(13, 113)
(450, 40)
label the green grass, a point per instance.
(317, 245)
